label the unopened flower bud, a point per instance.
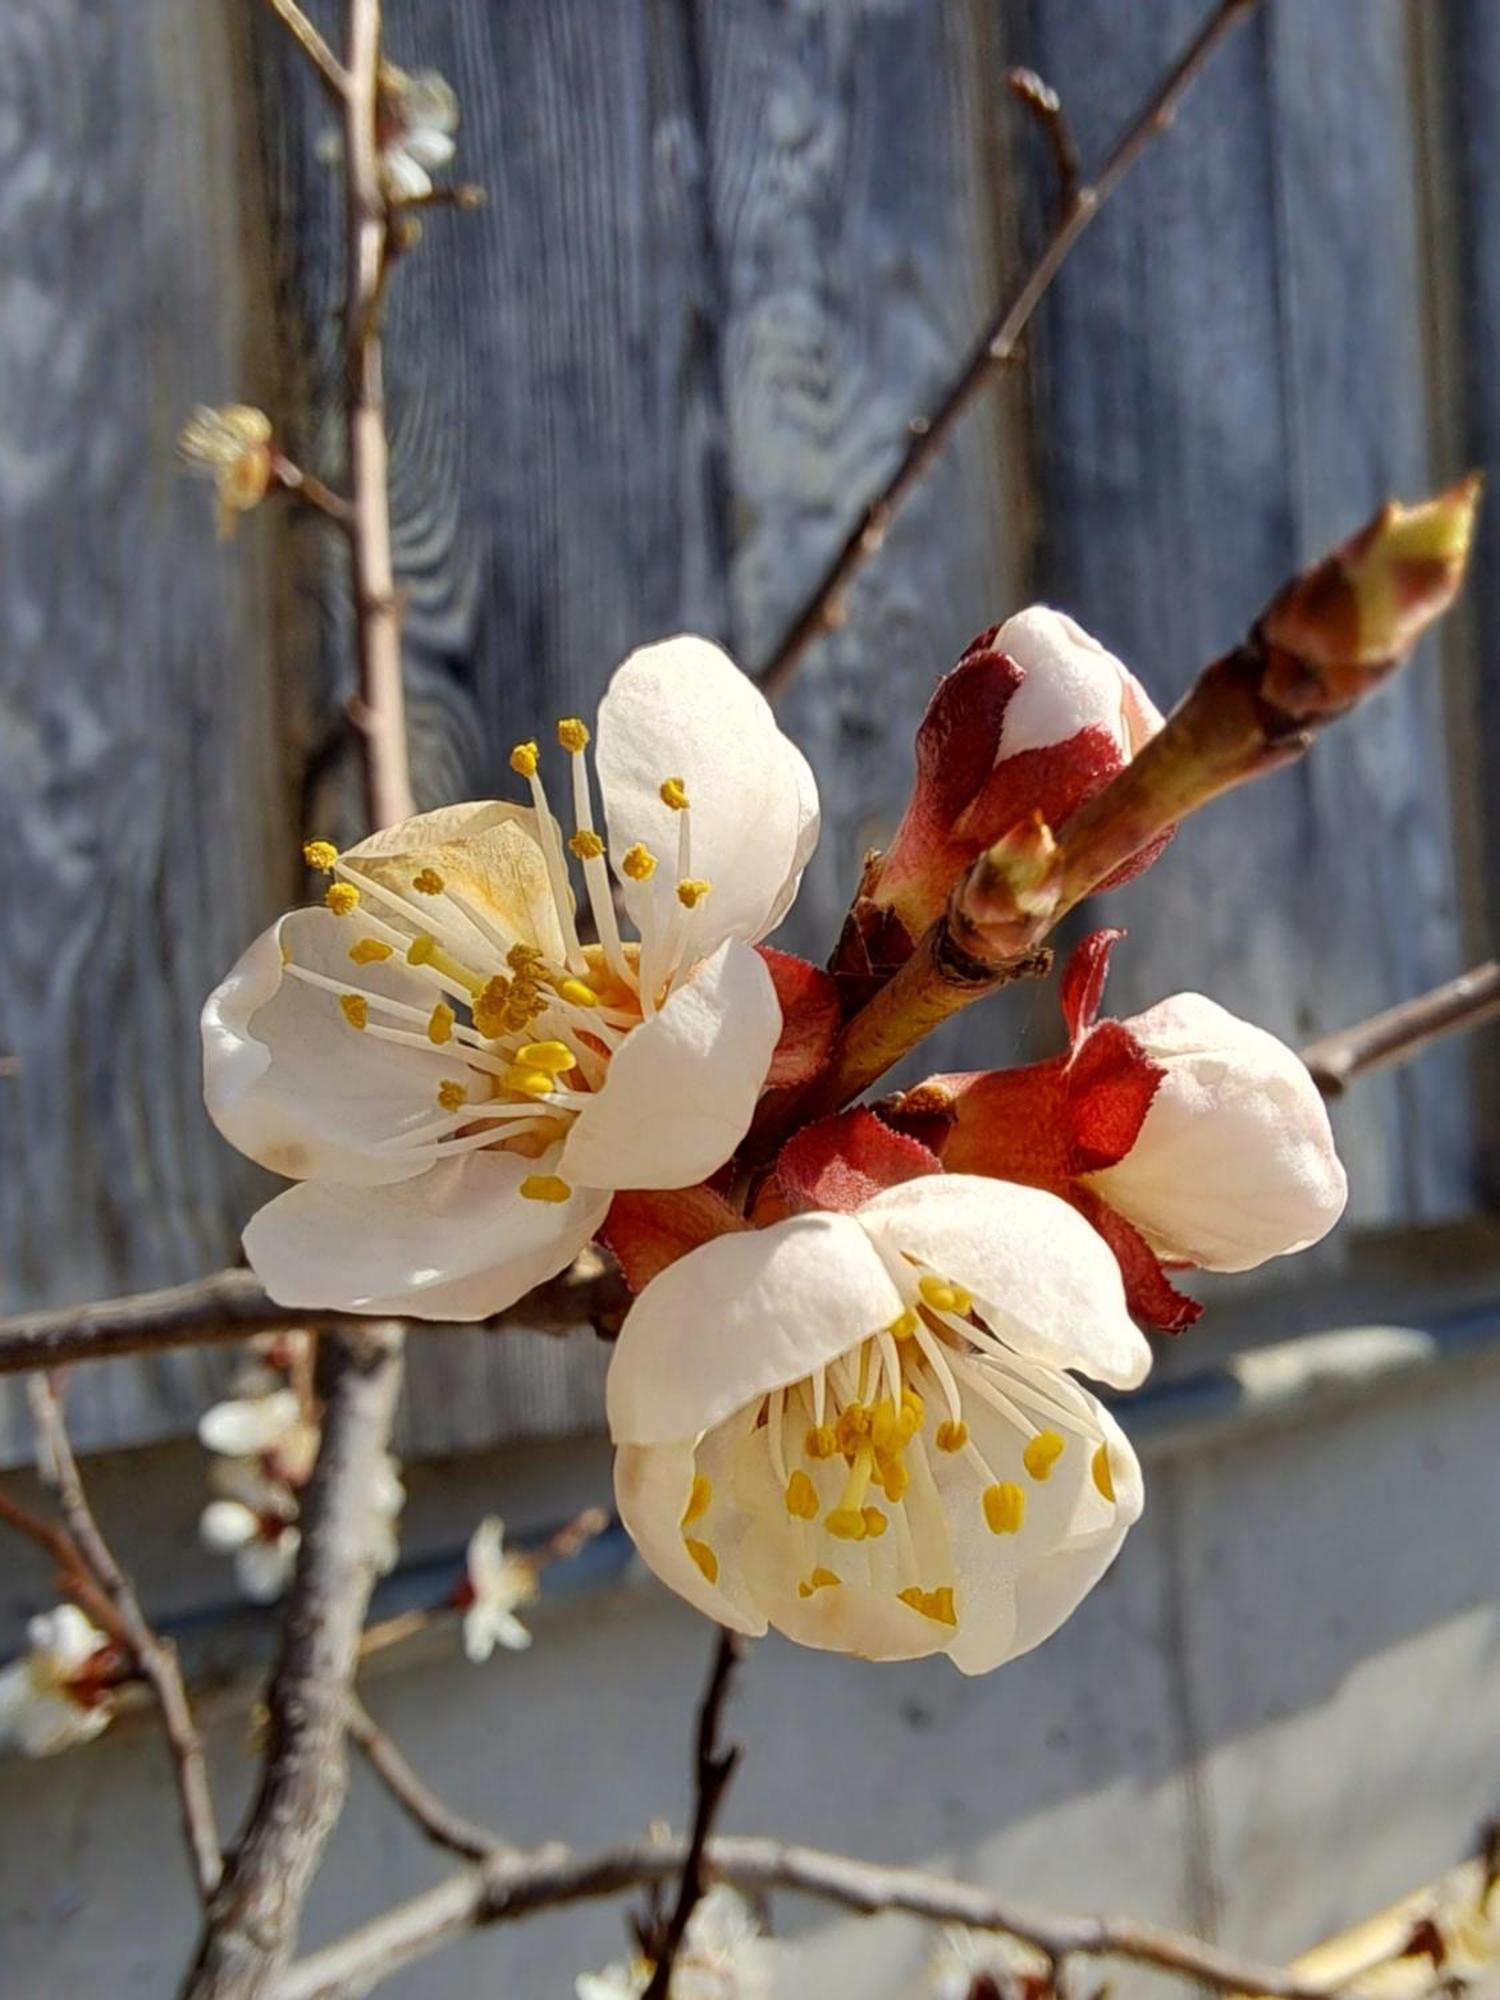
(231, 446)
(1011, 890)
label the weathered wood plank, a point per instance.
(141, 766)
(1228, 377)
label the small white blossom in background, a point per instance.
(417, 118)
(60, 1692)
(264, 1445)
(724, 1956)
(494, 1585)
(231, 446)
(978, 1965)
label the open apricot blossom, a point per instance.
(1185, 1135)
(863, 1427)
(494, 1585)
(61, 1692)
(1034, 720)
(457, 1080)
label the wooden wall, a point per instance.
(730, 245)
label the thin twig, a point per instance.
(822, 610)
(309, 489)
(415, 1797)
(154, 1658)
(1046, 107)
(712, 1770)
(510, 1886)
(312, 45)
(252, 1921)
(72, 1575)
(1457, 1007)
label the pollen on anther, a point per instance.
(690, 892)
(342, 898)
(320, 854)
(951, 1436)
(523, 760)
(422, 949)
(876, 1523)
(674, 794)
(1004, 1508)
(577, 994)
(370, 951)
(572, 734)
(801, 1497)
(638, 863)
(820, 1579)
(847, 1524)
(1103, 1477)
(903, 1326)
(440, 1024)
(556, 1058)
(545, 1187)
(821, 1441)
(699, 1501)
(703, 1556)
(356, 1009)
(586, 844)
(1043, 1452)
(428, 882)
(451, 1096)
(944, 1296)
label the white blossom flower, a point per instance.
(254, 1519)
(860, 1428)
(495, 1584)
(417, 118)
(1071, 683)
(58, 1694)
(456, 1079)
(724, 1956)
(965, 1960)
(231, 446)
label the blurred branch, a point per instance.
(1046, 107)
(415, 1797)
(155, 1660)
(252, 1920)
(509, 1886)
(1457, 1007)
(823, 610)
(713, 1769)
(72, 1575)
(330, 70)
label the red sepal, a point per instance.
(1053, 781)
(1110, 1084)
(810, 1015)
(650, 1228)
(1149, 1292)
(1083, 981)
(840, 1163)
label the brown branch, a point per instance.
(822, 611)
(233, 1305)
(72, 1575)
(1046, 107)
(712, 1771)
(510, 1886)
(308, 488)
(415, 1797)
(330, 70)
(1457, 1007)
(252, 1920)
(155, 1659)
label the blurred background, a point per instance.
(730, 248)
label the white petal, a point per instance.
(682, 709)
(249, 1424)
(652, 1484)
(682, 1088)
(741, 1316)
(66, 1636)
(1235, 1162)
(428, 147)
(408, 178)
(809, 826)
(291, 1083)
(227, 1526)
(460, 1242)
(1046, 1281)
(264, 1569)
(1072, 683)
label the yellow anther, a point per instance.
(690, 892)
(370, 951)
(821, 1441)
(940, 1605)
(875, 1523)
(853, 1427)
(703, 1556)
(1004, 1508)
(440, 1024)
(422, 950)
(903, 1326)
(951, 1436)
(699, 1501)
(452, 1096)
(356, 1009)
(802, 1497)
(523, 760)
(545, 1187)
(529, 1082)
(425, 950)
(490, 1007)
(638, 863)
(821, 1579)
(342, 898)
(892, 1476)
(674, 794)
(577, 994)
(523, 958)
(913, 1414)
(1103, 1477)
(428, 882)
(554, 1057)
(847, 1524)
(1043, 1452)
(885, 1426)
(572, 734)
(944, 1296)
(915, 1596)
(320, 854)
(587, 844)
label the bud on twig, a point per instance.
(1010, 893)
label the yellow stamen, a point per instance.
(951, 1436)
(452, 1096)
(892, 1476)
(342, 898)
(440, 1024)
(587, 844)
(554, 1057)
(523, 760)
(903, 1326)
(698, 1501)
(703, 1556)
(821, 1441)
(577, 994)
(691, 892)
(356, 1009)
(885, 1426)
(638, 863)
(425, 950)
(1004, 1508)
(944, 1296)
(572, 734)
(428, 882)
(370, 951)
(523, 958)
(852, 1428)
(545, 1187)
(529, 1082)
(913, 1414)
(821, 1579)
(875, 1523)
(802, 1497)
(847, 1523)
(491, 1007)
(674, 794)
(940, 1605)
(1103, 1477)
(320, 854)
(1043, 1452)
